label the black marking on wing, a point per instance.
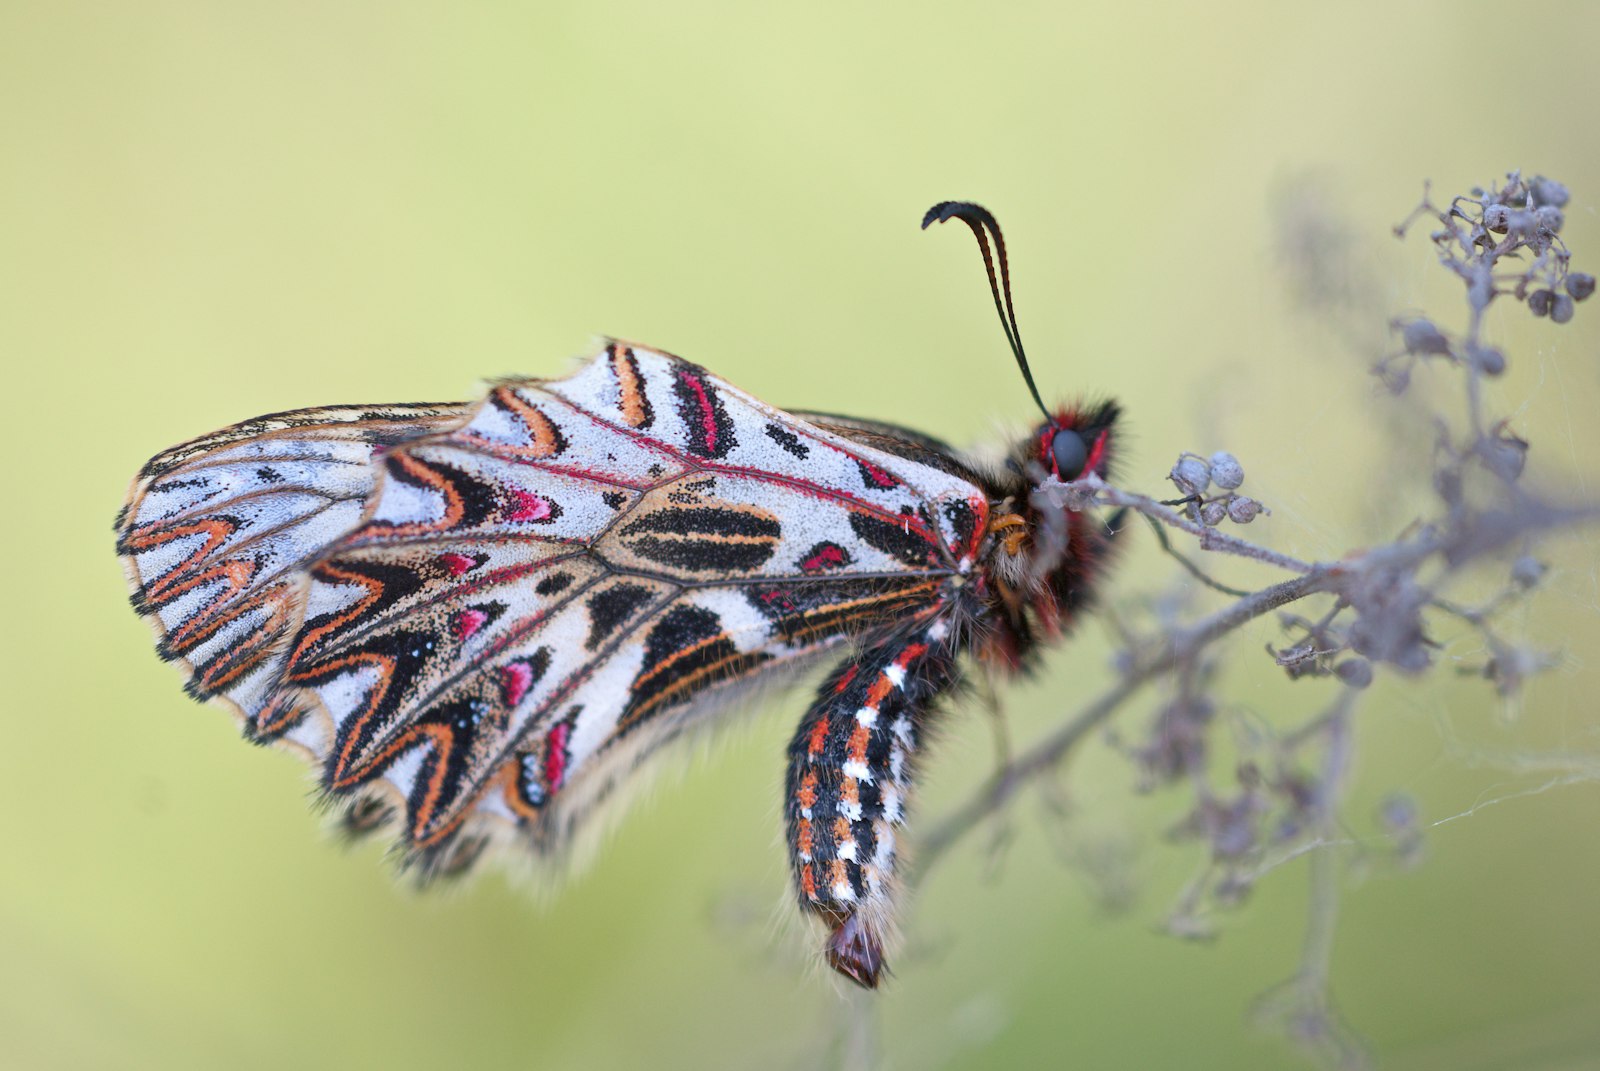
(788, 440)
(710, 429)
(610, 608)
(708, 539)
(896, 540)
(553, 584)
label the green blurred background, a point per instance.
(215, 210)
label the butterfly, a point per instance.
(478, 619)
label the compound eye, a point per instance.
(1070, 453)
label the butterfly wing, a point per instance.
(542, 593)
(216, 532)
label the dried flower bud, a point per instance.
(1580, 284)
(1243, 509)
(1539, 302)
(1191, 475)
(1547, 192)
(1488, 360)
(1234, 827)
(1421, 336)
(1481, 290)
(1388, 624)
(1561, 308)
(1226, 472)
(1211, 513)
(1396, 376)
(1527, 571)
(1398, 811)
(1496, 218)
(1549, 218)
(1505, 454)
(1356, 672)
(1447, 482)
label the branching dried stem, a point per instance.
(1151, 661)
(1381, 602)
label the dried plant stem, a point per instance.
(1154, 660)
(1210, 538)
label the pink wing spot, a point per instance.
(466, 623)
(555, 757)
(828, 556)
(529, 507)
(778, 598)
(875, 475)
(456, 563)
(515, 680)
(708, 415)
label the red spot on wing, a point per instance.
(779, 598)
(555, 757)
(515, 680)
(828, 556)
(528, 507)
(465, 623)
(455, 563)
(876, 477)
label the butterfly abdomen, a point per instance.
(851, 767)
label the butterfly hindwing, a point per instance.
(216, 533)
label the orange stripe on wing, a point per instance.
(544, 440)
(734, 665)
(333, 574)
(832, 618)
(632, 401)
(215, 529)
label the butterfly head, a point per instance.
(1044, 556)
(1072, 441)
(1075, 441)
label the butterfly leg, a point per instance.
(850, 773)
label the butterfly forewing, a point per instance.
(539, 590)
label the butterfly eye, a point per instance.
(1070, 454)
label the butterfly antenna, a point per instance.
(983, 223)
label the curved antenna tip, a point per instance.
(983, 224)
(945, 211)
